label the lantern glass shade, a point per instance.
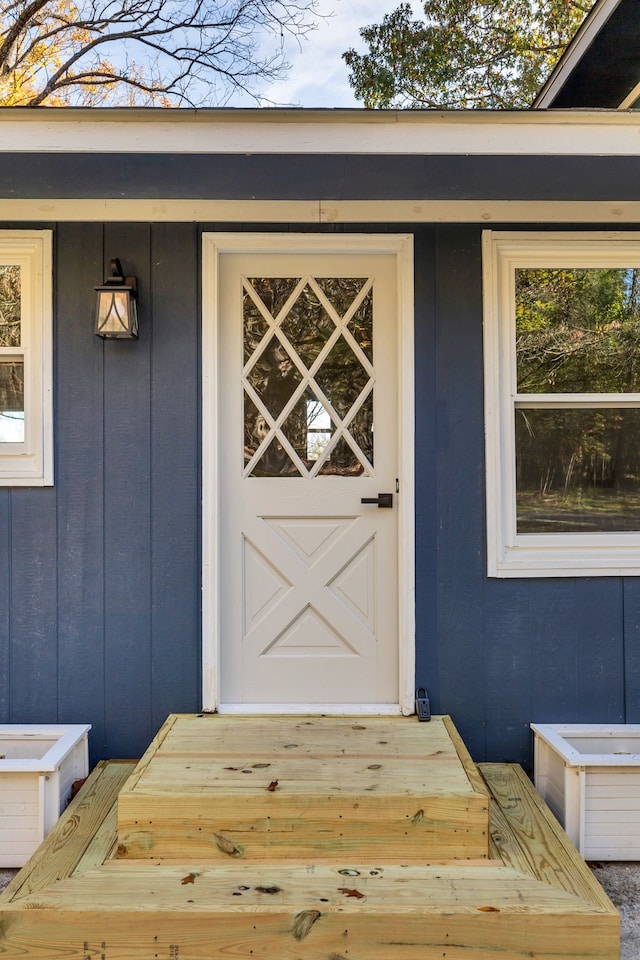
(116, 313)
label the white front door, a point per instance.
(308, 352)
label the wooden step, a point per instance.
(139, 910)
(534, 896)
(379, 789)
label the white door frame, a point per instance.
(214, 245)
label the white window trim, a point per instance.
(30, 463)
(510, 554)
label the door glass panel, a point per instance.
(10, 306)
(577, 470)
(274, 377)
(307, 326)
(276, 370)
(361, 326)
(342, 377)
(273, 291)
(275, 462)
(255, 327)
(308, 428)
(319, 429)
(341, 291)
(11, 401)
(361, 428)
(341, 462)
(255, 428)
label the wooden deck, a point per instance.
(514, 887)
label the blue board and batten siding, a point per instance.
(102, 571)
(100, 574)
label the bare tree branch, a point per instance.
(188, 51)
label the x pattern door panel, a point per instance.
(307, 608)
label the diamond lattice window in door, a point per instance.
(308, 377)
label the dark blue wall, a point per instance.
(496, 654)
(100, 575)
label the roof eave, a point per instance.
(579, 45)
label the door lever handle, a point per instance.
(382, 500)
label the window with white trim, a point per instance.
(26, 441)
(562, 403)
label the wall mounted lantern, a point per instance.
(116, 313)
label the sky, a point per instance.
(318, 75)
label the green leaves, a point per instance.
(465, 54)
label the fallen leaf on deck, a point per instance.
(273, 786)
(351, 893)
(190, 878)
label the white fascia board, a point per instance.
(589, 29)
(361, 132)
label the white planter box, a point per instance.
(589, 774)
(38, 765)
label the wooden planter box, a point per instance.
(589, 774)
(38, 765)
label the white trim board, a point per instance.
(213, 246)
(330, 709)
(396, 132)
(321, 211)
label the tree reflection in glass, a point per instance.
(578, 330)
(11, 401)
(274, 377)
(10, 296)
(577, 470)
